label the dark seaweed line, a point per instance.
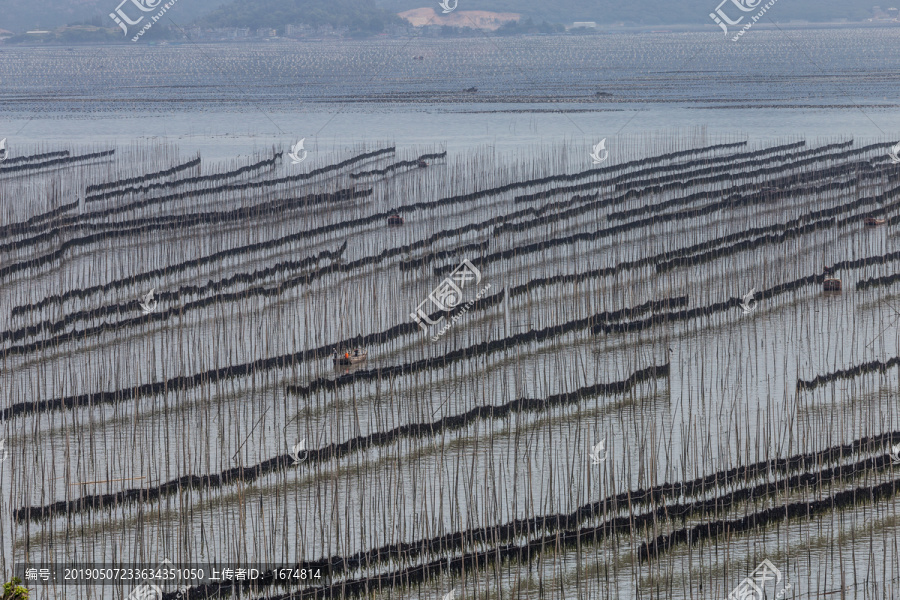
(877, 281)
(187, 180)
(731, 202)
(166, 296)
(638, 192)
(483, 348)
(790, 231)
(17, 228)
(348, 224)
(703, 311)
(533, 548)
(175, 311)
(858, 168)
(479, 247)
(779, 191)
(737, 199)
(765, 240)
(397, 165)
(544, 180)
(56, 161)
(184, 382)
(72, 223)
(544, 523)
(721, 163)
(657, 258)
(593, 206)
(652, 160)
(232, 187)
(712, 529)
(749, 244)
(637, 175)
(852, 372)
(484, 225)
(185, 221)
(33, 157)
(243, 250)
(335, 451)
(303, 279)
(201, 219)
(815, 155)
(561, 525)
(165, 173)
(771, 292)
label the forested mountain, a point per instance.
(361, 15)
(18, 15)
(653, 12)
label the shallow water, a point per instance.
(730, 398)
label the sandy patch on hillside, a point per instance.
(479, 19)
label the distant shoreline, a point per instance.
(468, 33)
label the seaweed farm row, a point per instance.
(434, 374)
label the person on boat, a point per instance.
(346, 355)
(334, 354)
(356, 352)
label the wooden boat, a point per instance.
(351, 357)
(395, 220)
(873, 222)
(831, 285)
(422, 164)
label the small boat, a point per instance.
(422, 164)
(395, 220)
(357, 355)
(873, 222)
(830, 284)
(471, 89)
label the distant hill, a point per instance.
(358, 15)
(20, 15)
(651, 12)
